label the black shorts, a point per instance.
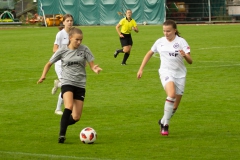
(126, 40)
(78, 93)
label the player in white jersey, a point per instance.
(173, 50)
(62, 38)
(74, 57)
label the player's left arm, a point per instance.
(186, 56)
(135, 28)
(94, 67)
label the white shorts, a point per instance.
(58, 69)
(179, 83)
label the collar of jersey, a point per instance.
(127, 19)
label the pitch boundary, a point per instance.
(48, 155)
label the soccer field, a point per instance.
(124, 111)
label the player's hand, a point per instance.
(122, 36)
(41, 80)
(182, 53)
(139, 74)
(96, 69)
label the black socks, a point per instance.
(71, 120)
(65, 121)
(120, 50)
(126, 55)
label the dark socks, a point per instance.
(120, 50)
(71, 120)
(65, 121)
(126, 55)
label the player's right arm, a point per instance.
(144, 62)
(44, 73)
(55, 48)
(118, 30)
(57, 42)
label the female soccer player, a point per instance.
(62, 38)
(74, 57)
(173, 50)
(126, 24)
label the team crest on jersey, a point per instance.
(176, 45)
(80, 54)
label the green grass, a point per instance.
(123, 110)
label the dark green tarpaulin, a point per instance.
(7, 4)
(105, 12)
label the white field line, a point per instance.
(227, 65)
(217, 47)
(48, 156)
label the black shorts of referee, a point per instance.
(126, 40)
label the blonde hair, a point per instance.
(74, 30)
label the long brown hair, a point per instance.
(173, 24)
(64, 18)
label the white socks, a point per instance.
(168, 110)
(60, 102)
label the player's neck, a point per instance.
(170, 39)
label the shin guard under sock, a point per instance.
(64, 121)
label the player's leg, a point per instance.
(179, 86)
(127, 50)
(77, 112)
(176, 103)
(57, 83)
(58, 109)
(79, 95)
(123, 41)
(58, 70)
(169, 86)
(68, 103)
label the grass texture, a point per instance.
(123, 110)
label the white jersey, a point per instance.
(171, 60)
(62, 38)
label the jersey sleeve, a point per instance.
(88, 55)
(121, 21)
(185, 46)
(58, 39)
(56, 56)
(154, 47)
(134, 23)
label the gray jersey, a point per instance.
(73, 64)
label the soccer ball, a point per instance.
(144, 23)
(88, 135)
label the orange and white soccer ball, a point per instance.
(88, 135)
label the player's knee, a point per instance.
(126, 50)
(76, 118)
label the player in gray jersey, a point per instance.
(73, 57)
(173, 51)
(62, 38)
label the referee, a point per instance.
(126, 24)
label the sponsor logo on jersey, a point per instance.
(73, 63)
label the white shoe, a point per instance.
(58, 112)
(55, 86)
